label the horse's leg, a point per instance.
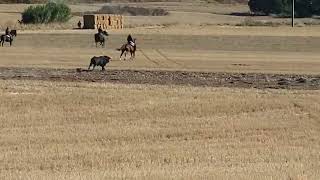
(10, 42)
(93, 67)
(121, 54)
(131, 53)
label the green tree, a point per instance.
(315, 7)
(50, 12)
(303, 8)
(260, 6)
(266, 6)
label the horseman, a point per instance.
(99, 30)
(8, 35)
(7, 32)
(99, 37)
(130, 40)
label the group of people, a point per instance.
(129, 38)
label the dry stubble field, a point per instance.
(86, 130)
(58, 130)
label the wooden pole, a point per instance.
(293, 8)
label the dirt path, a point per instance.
(250, 80)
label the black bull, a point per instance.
(99, 61)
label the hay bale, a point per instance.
(106, 21)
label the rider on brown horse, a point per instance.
(129, 47)
(130, 40)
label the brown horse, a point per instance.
(128, 48)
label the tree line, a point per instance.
(303, 8)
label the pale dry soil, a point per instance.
(188, 39)
(213, 53)
(59, 130)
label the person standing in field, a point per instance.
(79, 24)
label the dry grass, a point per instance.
(53, 130)
(196, 13)
(268, 54)
(56, 130)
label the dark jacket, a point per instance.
(7, 31)
(129, 39)
(100, 30)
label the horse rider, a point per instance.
(99, 30)
(8, 35)
(130, 40)
(7, 31)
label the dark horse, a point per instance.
(99, 38)
(128, 48)
(8, 38)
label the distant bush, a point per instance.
(50, 12)
(132, 11)
(22, 1)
